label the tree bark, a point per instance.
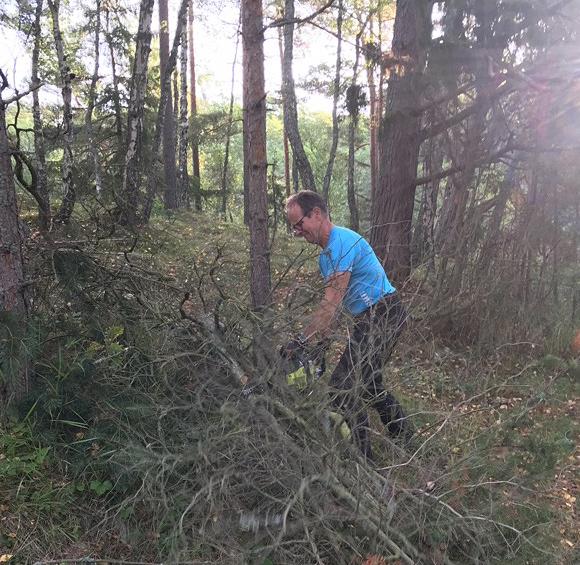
(115, 78)
(335, 95)
(224, 187)
(193, 110)
(131, 173)
(289, 101)
(424, 234)
(93, 148)
(392, 207)
(354, 100)
(255, 156)
(13, 308)
(285, 144)
(171, 199)
(69, 193)
(374, 115)
(183, 125)
(44, 212)
(159, 123)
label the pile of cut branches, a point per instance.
(213, 456)
(234, 465)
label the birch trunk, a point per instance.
(69, 193)
(255, 127)
(44, 212)
(131, 173)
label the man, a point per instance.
(355, 281)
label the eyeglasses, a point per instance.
(298, 225)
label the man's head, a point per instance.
(308, 217)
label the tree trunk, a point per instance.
(13, 308)
(392, 207)
(289, 101)
(93, 148)
(489, 249)
(175, 104)
(335, 95)
(69, 194)
(44, 213)
(374, 116)
(171, 193)
(157, 158)
(434, 162)
(115, 78)
(183, 125)
(245, 148)
(132, 173)
(224, 187)
(295, 174)
(354, 99)
(285, 144)
(255, 127)
(193, 110)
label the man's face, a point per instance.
(305, 225)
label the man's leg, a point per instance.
(385, 327)
(346, 397)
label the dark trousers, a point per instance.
(357, 380)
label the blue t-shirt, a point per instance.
(347, 250)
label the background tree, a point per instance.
(392, 206)
(13, 308)
(164, 96)
(66, 77)
(335, 97)
(255, 150)
(131, 172)
(169, 131)
(183, 125)
(193, 109)
(290, 103)
(93, 145)
(44, 208)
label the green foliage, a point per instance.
(101, 488)
(21, 457)
(551, 362)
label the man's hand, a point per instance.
(296, 347)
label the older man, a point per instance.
(355, 281)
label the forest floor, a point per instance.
(508, 418)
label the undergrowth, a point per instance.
(136, 442)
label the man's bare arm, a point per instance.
(326, 313)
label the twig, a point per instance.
(20, 95)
